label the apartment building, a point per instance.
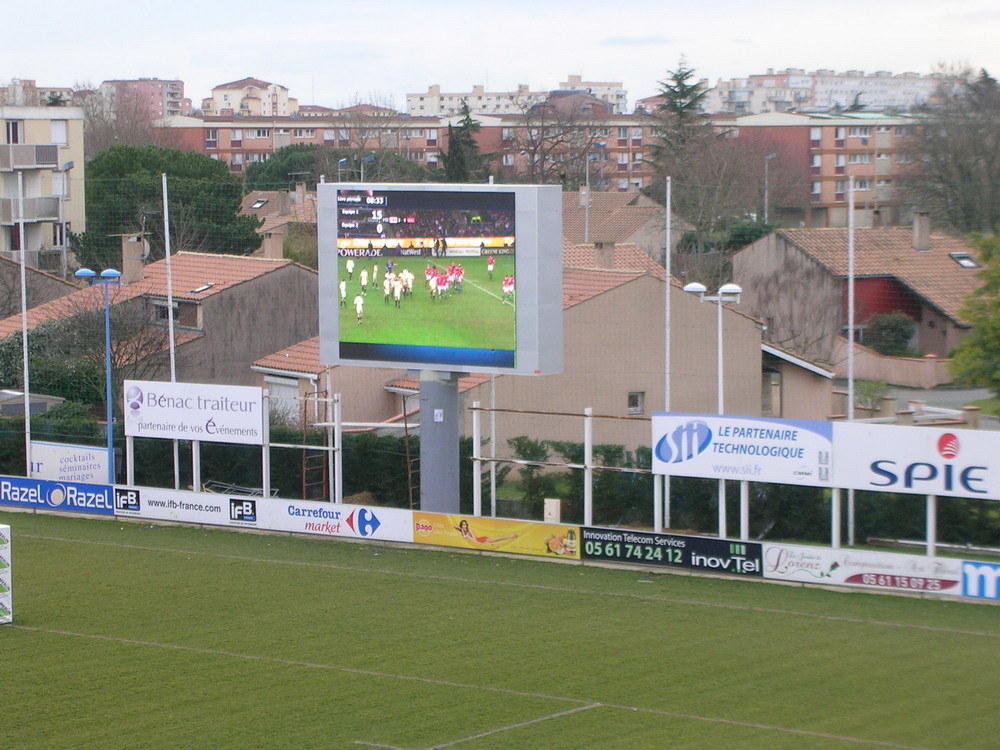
(793, 89)
(24, 92)
(41, 183)
(562, 143)
(436, 103)
(249, 97)
(822, 152)
(161, 98)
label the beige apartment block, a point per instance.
(41, 183)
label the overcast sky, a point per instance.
(337, 52)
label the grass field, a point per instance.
(129, 635)
(476, 317)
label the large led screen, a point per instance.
(441, 277)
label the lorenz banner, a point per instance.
(783, 451)
(496, 535)
(193, 411)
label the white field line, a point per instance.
(583, 705)
(533, 586)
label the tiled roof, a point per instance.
(625, 257)
(295, 211)
(612, 216)
(465, 382)
(244, 82)
(301, 359)
(194, 276)
(580, 285)
(888, 252)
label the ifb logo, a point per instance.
(127, 500)
(243, 510)
(684, 443)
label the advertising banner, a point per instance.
(330, 519)
(173, 505)
(917, 460)
(784, 451)
(6, 595)
(192, 411)
(980, 580)
(671, 550)
(496, 535)
(42, 494)
(887, 571)
(62, 462)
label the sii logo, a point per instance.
(243, 510)
(363, 522)
(684, 443)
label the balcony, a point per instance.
(35, 209)
(17, 156)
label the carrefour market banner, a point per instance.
(784, 451)
(917, 460)
(193, 411)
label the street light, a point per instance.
(727, 293)
(767, 163)
(108, 277)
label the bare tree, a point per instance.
(373, 123)
(555, 139)
(118, 117)
(139, 348)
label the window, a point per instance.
(58, 128)
(839, 160)
(508, 160)
(58, 236)
(14, 238)
(637, 157)
(839, 133)
(862, 185)
(236, 136)
(211, 138)
(817, 188)
(600, 132)
(13, 131)
(816, 161)
(507, 134)
(840, 186)
(964, 260)
(882, 155)
(305, 133)
(59, 184)
(259, 133)
(260, 203)
(864, 158)
(623, 134)
(815, 134)
(858, 132)
(636, 404)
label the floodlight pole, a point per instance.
(726, 293)
(107, 277)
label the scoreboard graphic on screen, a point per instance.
(460, 278)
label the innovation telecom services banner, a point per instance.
(784, 451)
(671, 550)
(193, 411)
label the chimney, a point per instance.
(876, 218)
(605, 254)
(300, 193)
(922, 232)
(135, 250)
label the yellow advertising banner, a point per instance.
(496, 535)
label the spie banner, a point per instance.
(191, 411)
(784, 451)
